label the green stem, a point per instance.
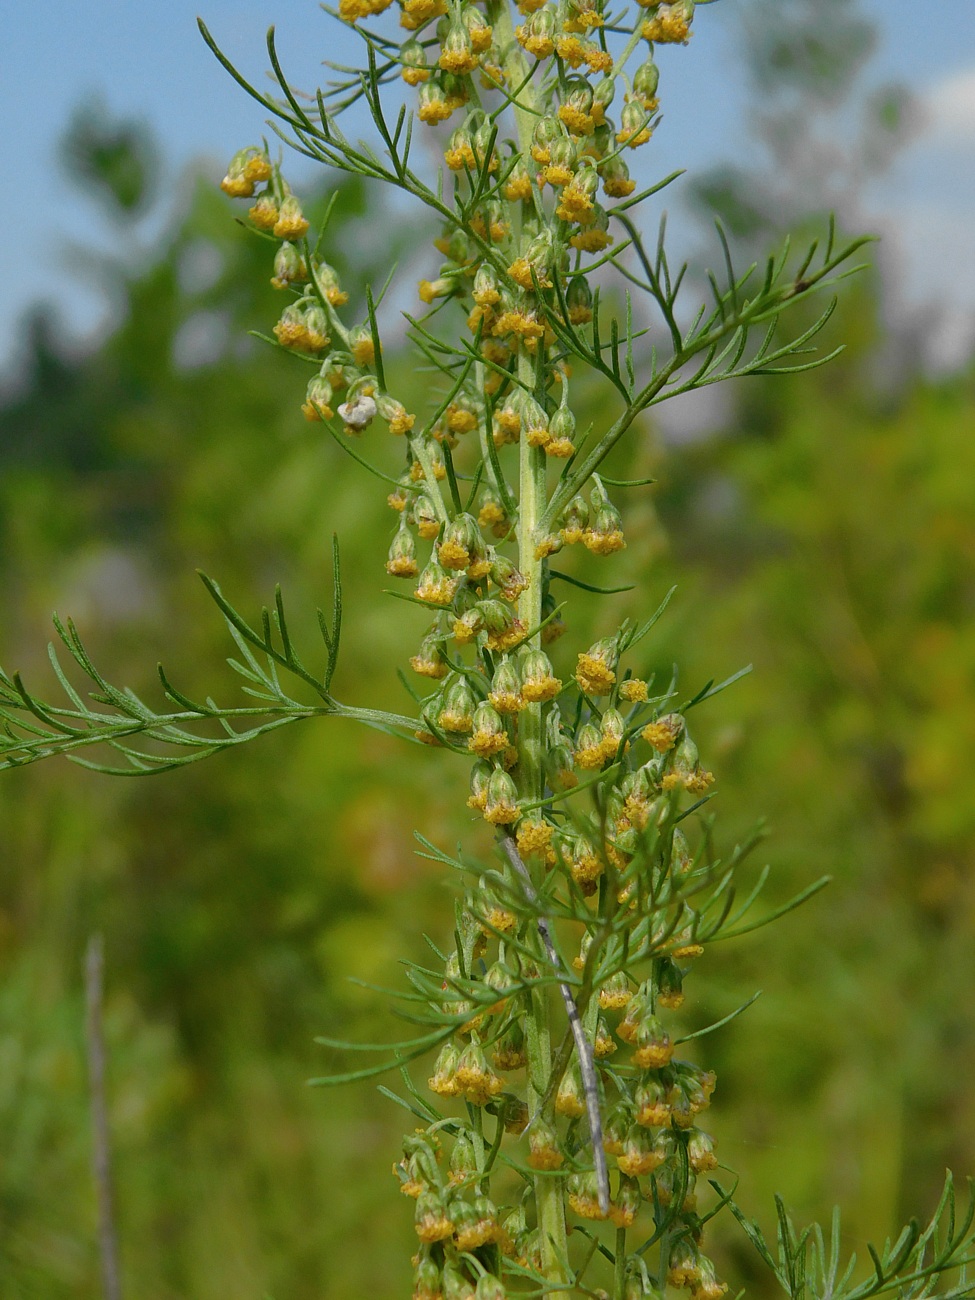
(549, 1192)
(619, 1271)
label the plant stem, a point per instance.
(619, 1271)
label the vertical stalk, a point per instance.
(619, 1269)
(549, 1191)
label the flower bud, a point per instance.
(401, 560)
(291, 223)
(538, 681)
(436, 585)
(547, 130)
(425, 516)
(489, 736)
(559, 765)
(683, 1269)
(570, 1099)
(604, 1044)
(432, 1223)
(457, 55)
(669, 24)
(563, 160)
(616, 178)
(654, 1047)
(700, 1151)
(327, 283)
(616, 1127)
(575, 520)
(652, 1109)
(426, 1279)
(534, 423)
(612, 730)
(490, 1287)
(583, 1189)
(395, 414)
(318, 394)
(589, 747)
(504, 630)
(460, 542)
(638, 1156)
(707, 1286)
(478, 29)
(626, 1203)
(485, 292)
(463, 1160)
(544, 1148)
(646, 79)
(430, 661)
(505, 693)
(670, 993)
(474, 1076)
(443, 1081)
(615, 993)
(247, 168)
(501, 799)
(596, 667)
(562, 427)
(510, 581)
(413, 60)
(362, 345)
(578, 298)
(668, 1182)
(605, 535)
(456, 713)
(480, 776)
(538, 35)
(509, 1054)
(289, 267)
(576, 109)
(456, 1284)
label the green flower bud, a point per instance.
(616, 1126)
(430, 661)
(700, 1151)
(575, 520)
(490, 1288)
(463, 1161)
(578, 299)
(669, 982)
(509, 579)
(505, 693)
(456, 713)
(646, 79)
(564, 152)
(289, 267)
(460, 543)
(511, 1110)
(426, 1279)
(480, 777)
(401, 559)
(431, 1222)
(456, 1285)
(501, 801)
(489, 736)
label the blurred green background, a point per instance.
(820, 527)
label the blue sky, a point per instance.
(149, 61)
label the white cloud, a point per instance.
(950, 106)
